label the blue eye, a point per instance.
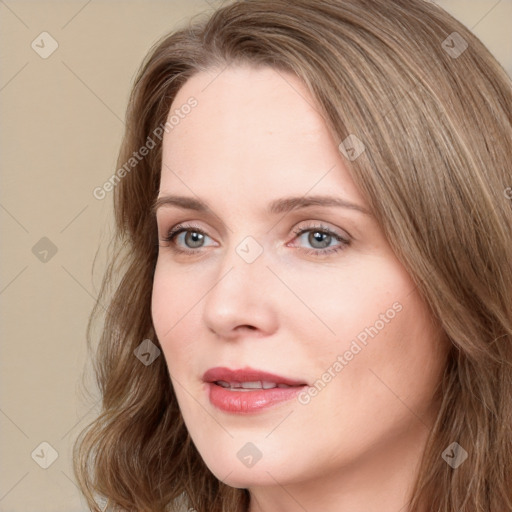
(193, 235)
(320, 238)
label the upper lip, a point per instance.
(247, 375)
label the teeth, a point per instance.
(251, 385)
(240, 386)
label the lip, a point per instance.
(252, 400)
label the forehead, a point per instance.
(258, 126)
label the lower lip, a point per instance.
(249, 401)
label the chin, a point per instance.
(241, 478)
(233, 472)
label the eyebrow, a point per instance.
(278, 206)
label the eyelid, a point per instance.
(180, 228)
(321, 226)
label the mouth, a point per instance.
(248, 390)
(248, 386)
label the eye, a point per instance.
(193, 238)
(322, 239)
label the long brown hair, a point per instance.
(433, 110)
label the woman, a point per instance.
(314, 309)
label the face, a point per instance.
(255, 291)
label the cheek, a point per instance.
(359, 302)
(174, 317)
(162, 303)
(174, 295)
(376, 323)
(392, 368)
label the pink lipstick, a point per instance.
(248, 390)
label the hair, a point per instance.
(435, 170)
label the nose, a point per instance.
(240, 298)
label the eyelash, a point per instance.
(176, 230)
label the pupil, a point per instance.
(195, 237)
(316, 236)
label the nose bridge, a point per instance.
(243, 269)
(237, 295)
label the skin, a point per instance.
(256, 135)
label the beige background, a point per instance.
(62, 122)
